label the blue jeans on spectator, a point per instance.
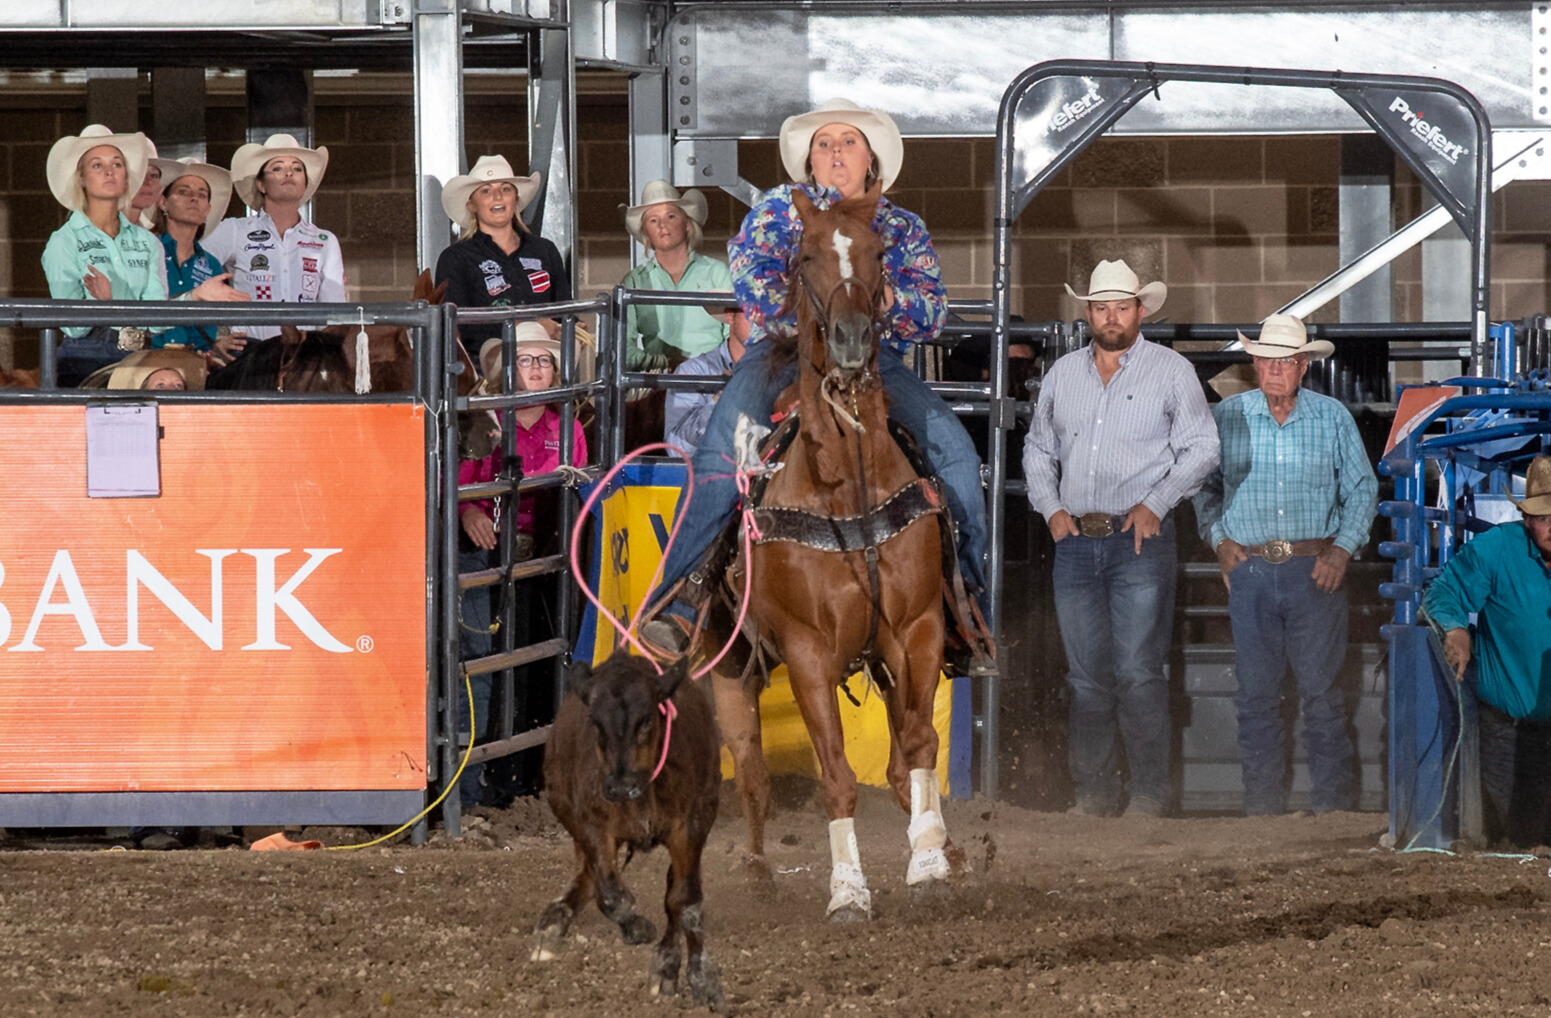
(946, 446)
(1515, 776)
(1280, 619)
(1116, 613)
(79, 356)
(473, 641)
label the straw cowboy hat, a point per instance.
(132, 371)
(1286, 336)
(251, 158)
(217, 179)
(528, 334)
(486, 170)
(66, 155)
(877, 126)
(1537, 488)
(660, 192)
(1115, 281)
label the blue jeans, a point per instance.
(1281, 618)
(473, 641)
(753, 388)
(1515, 777)
(79, 356)
(1116, 613)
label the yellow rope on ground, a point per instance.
(452, 782)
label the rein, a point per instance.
(827, 384)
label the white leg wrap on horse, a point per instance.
(847, 886)
(927, 832)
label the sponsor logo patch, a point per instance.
(259, 263)
(309, 264)
(490, 267)
(1430, 134)
(259, 236)
(262, 293)
(532, 264)
(539, 281)
(309, 284)
(496, 284)
(308, 243)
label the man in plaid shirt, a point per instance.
(1291, 501)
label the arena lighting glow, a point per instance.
(268, 598)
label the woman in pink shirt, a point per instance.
(538, 451)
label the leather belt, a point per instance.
(1099, 524)
(1279, 551)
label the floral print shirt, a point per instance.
(759, 256)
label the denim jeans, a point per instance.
(1280, 619)
(1116, 613)
(1515, 777)
(79, 356)
(473, 641)
(946, 446)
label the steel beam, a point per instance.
(940, 69)
(113, 97)
(651, 156)
(178, 112)
(1366, 185)
(439, 153)
(552, 140)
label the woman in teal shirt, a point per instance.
(99, 254)
(670, 227)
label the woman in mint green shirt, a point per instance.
(669, 225)
(99, 254)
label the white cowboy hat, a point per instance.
(1537, 488)
(660, 192)
(132, 371)
(1115, 281)
(877, 126)
(218, 180)
(1286, 336)
(528, 334)
(248, 160)
(66, 155)
(486, 170)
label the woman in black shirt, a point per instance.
(496, 262)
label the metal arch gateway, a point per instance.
(1054, 110)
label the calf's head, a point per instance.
(623, 718)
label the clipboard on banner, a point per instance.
(123, 458)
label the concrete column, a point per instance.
(1366, 186)
(280, 102)
(113, 98)
(651, 153)
(178, 111)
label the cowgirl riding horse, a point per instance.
(836, 152)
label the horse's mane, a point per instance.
(258, 366)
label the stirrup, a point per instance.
(667, 638)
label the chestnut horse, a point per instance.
(828, 611)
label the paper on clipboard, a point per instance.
(122, 459)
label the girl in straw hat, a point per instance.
(835, 152)
(537, 440)
(99, 254)
(669, 225)
(275, 255)
(496, 261)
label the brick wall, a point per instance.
(1235, 226)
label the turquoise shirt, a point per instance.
(1501, 577)
(1303, 479)
(129, 261)
(674, 331)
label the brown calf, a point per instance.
(599, 769)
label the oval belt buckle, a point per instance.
(1278, 551)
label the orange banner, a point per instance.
(260, 625)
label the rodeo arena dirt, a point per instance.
(1024, 508)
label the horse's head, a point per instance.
(839, 270)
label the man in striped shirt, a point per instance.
(1292, 501)
(1121, 433)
